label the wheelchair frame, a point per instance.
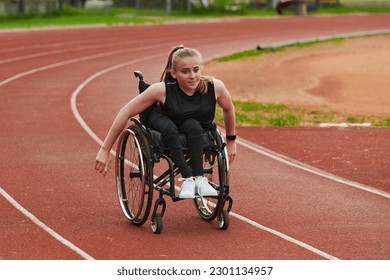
(136, 157)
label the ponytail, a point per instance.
(166, 74)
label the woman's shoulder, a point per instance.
(217, 82)
(213, 82)
(218, 85)
(219, 88)
(156, 91)
(157, 88)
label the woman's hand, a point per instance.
(103, 161)
(231, 149)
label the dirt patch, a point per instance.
(351, 76)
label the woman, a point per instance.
(187, 103)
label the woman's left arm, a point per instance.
(224, 100)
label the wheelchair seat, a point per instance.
(158, 143)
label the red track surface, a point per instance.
(48, 158)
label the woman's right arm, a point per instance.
(154, 93)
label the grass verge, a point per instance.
(250, 113)
(113, 15)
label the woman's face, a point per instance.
(187, 73)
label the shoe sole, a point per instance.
(206, 194)
(187, 196)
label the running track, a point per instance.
(59, 92)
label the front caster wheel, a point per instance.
(223, 219)
(157, 223)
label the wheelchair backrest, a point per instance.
(142, 86)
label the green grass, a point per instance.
(111, 16)
(266, 50)
(76, 16)
(249, 53)
(341, 9)
(249, 113)
(384, 122)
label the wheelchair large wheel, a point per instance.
(134, 175)
(216, 171)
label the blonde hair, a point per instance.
(178, 53)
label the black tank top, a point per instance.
(180, 106)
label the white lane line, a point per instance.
(299, 165)
(70, 61)
(36, 221)
(285, 237)
(345, 124)
(90, 132)
(68, 50)
(58, 64)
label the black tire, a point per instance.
(223, 219)
(134, 175)
(216, 171)
(157, 223)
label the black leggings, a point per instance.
(170, 133)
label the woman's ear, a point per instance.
(173, 74)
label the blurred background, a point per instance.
(18, 8)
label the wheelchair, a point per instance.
(140, 150)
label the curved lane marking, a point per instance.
(51, 52)
(297, 164)
(40, 224)
(58, 64)
(70, 61)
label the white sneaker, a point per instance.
(187, 188)
(204, 188)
